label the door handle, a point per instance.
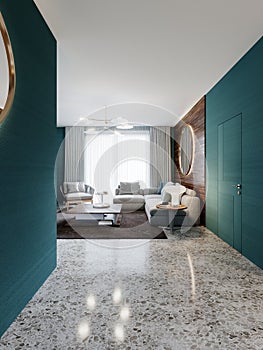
(238, 186)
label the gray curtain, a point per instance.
(160, 155)
(74, 154)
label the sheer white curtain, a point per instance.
(74, 147)
(111, 157)
(160, 154)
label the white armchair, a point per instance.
(76, 192)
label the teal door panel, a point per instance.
(241, 89)
(225, 215)
(229, 181)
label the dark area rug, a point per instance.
(132, 226)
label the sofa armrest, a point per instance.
(89, 189)
(61, 190)
(193, 209)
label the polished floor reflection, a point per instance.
(187, 292)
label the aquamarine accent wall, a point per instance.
(29, 141)
(240, 91)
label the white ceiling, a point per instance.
(152, 58)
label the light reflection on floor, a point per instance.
(194, 292)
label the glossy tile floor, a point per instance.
(191, 291)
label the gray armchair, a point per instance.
(76, 192)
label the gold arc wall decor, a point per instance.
(11, 70)
(186, 149)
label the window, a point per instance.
(114, 156)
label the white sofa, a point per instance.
(148, 198)
(163, 217)
(135, 200)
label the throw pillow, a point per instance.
(129, 187)
(82, 187)
(160, 187)
(71, 187)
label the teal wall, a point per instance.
(240, 91)
(59, 167)
(28, 145)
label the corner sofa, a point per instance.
(134, 198)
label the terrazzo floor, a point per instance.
(190, 291)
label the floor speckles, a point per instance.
(191, 291)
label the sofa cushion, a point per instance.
(117, 191)
(129, 187)
(78, 196)
(190, 192)
(150, 190)
(187, 200)
(150, 207)
(151, 196)
(131, 198)
(82, 187)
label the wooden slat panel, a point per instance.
(196, 179)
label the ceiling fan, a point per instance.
(119, 122)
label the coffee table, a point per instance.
(86, 211)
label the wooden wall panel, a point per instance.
(196, 179)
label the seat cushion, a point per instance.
(150, 207)
(130, 198)
(78, 196)
(153, 196)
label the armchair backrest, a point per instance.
(89, 189)
(75, 187)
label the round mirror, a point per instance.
(7, 72)
(186, 150)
